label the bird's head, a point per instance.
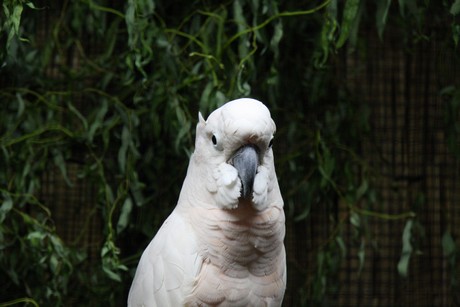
(239, 134)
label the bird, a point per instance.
(222, 245)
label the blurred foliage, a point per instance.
(115, 86)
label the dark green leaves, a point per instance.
(110, 261)
(455, 8)
(451, 253)
(10, 20)
(123, 220)
(5, 207)
(448, 245)
(349, 21)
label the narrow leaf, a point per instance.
(350, 12)
(124, 215)
(342, 246)
(30, 5)
(355, 219)
(7, 205)
(353, 37)
(276, 38)
(78, 115)
(122, 152)
(21, 105)
(111, 274)
(448, 244)
(403, 264)
(362, 255)
(16, 18)
(60, 163)
(362, 189)
(98, 121)
(455, 8)
(381, 16)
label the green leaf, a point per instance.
(78, 114)
(36, 238)
(131, 23)
(110, 261)
(403, 264)
(16, 17)
(277, 36)
(59, 160)
(12, 23)
(123, 220)
(328, 33)
(30, 5)
(362, 255)
(383, 7)
(362, 189)
(108, 193)
(122, 152)
(326, 160)
(456, 33)
(243, 87)
(455, 8)
(350, 13)
(6, 207)
(98, 121)
(342, 245)
(21, 105)
(111, 274)
(355, 220)
(448, 244)
(411, 5)
(303, 215)
(205, 97)
(54, 264)
(402, 4)
(353, 36)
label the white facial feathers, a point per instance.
(238, 122)
(225, 135)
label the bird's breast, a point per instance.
(243, 256)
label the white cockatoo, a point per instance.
(223, 243)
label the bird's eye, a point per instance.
(270, 144)
(216, 142)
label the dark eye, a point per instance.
(216, 142)
(271, 143)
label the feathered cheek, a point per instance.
(261, 188)
(224, 185)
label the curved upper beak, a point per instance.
(246, 161)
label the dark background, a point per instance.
(99, 106)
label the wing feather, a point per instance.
(164, 271)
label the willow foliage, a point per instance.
(115, 87)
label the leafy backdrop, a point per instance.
(99, 103)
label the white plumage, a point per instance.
(223, 243)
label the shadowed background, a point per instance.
(99, 104)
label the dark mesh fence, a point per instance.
(417, 172)
(74, 210)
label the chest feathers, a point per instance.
(242, 256)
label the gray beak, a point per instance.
(246, 160)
